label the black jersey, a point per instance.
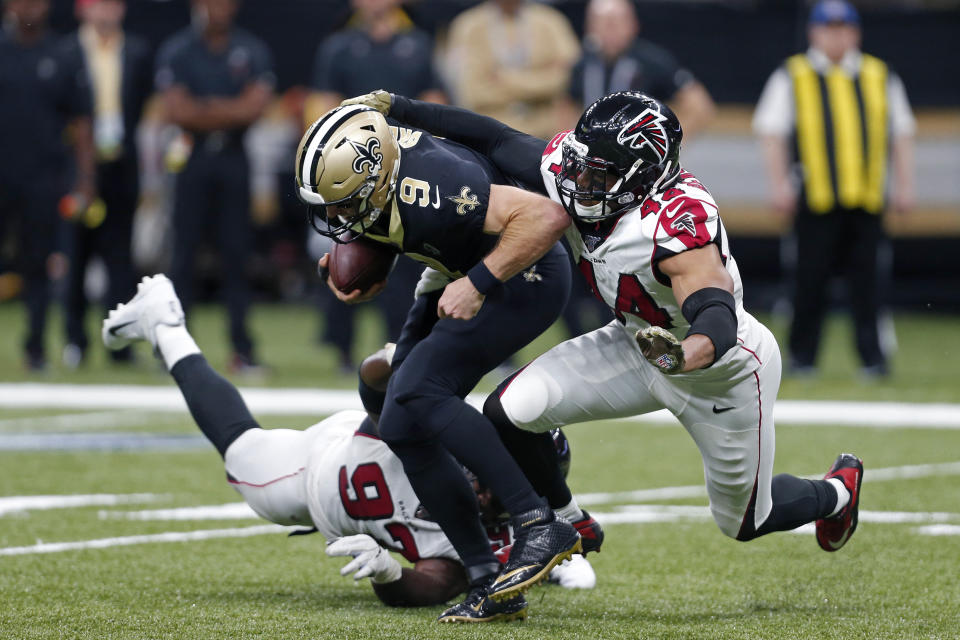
(440, 203)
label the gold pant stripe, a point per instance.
(847, 137)
(811, 138)
(873, 87)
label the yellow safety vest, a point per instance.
(848, 114)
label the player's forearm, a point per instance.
(525, 238)
(698, 352)
(515, 154)
(420, 589)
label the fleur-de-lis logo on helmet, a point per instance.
(367, 154)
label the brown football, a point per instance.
(360, 264)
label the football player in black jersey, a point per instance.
(498, 280)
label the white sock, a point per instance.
(571, 512)
(843, 495)
(175, 344)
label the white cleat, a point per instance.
(155, 303)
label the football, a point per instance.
(360, 264)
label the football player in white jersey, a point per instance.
(336, 476)
(647, 236)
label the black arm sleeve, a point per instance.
(515, 154)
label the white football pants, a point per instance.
(602, 375)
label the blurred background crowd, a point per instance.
(158, 135)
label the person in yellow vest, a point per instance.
(835, 124)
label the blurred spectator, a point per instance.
(615, 59)
(379, 49)
(215, 80)
(119, 68)
(42, 91)
(829, 118)
(511, 60)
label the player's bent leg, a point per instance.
(266, 467)
(537, 456)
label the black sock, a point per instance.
(534, 452)
(215, 404)
(795, 502)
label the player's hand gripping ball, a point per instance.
(661, 349)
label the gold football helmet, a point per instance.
(346, 171)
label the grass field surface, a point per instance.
(666, 571)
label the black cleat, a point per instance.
(478, 607)
(541, 542)
(591, 534)
(833, 533)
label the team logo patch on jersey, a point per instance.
(368, 153)
(466, 202)
(685, 222)
(646, 130)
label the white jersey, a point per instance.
(621, 266)
(355, 484)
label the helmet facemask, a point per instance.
(346, 219)
(590, 188)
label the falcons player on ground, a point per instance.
(647, 236)
(337, 476)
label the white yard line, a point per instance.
(230, 511)
(13, 504)
(630, 514)
(695, 491)
(939, 530)
(97, 420)
(324, 402)
(170, 536)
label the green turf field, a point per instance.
(664, 578)
(925, 365)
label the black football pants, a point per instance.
(844, 243)
(213, 194)
(118, 186)
(430, 427)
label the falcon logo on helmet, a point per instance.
(646, 130)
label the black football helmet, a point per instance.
(625, 146)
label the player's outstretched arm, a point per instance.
(431, 581)
(704, 290)
(515, 154)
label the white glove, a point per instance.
(380, 100)
(370, 560)
(661, 349)
(575, 573)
